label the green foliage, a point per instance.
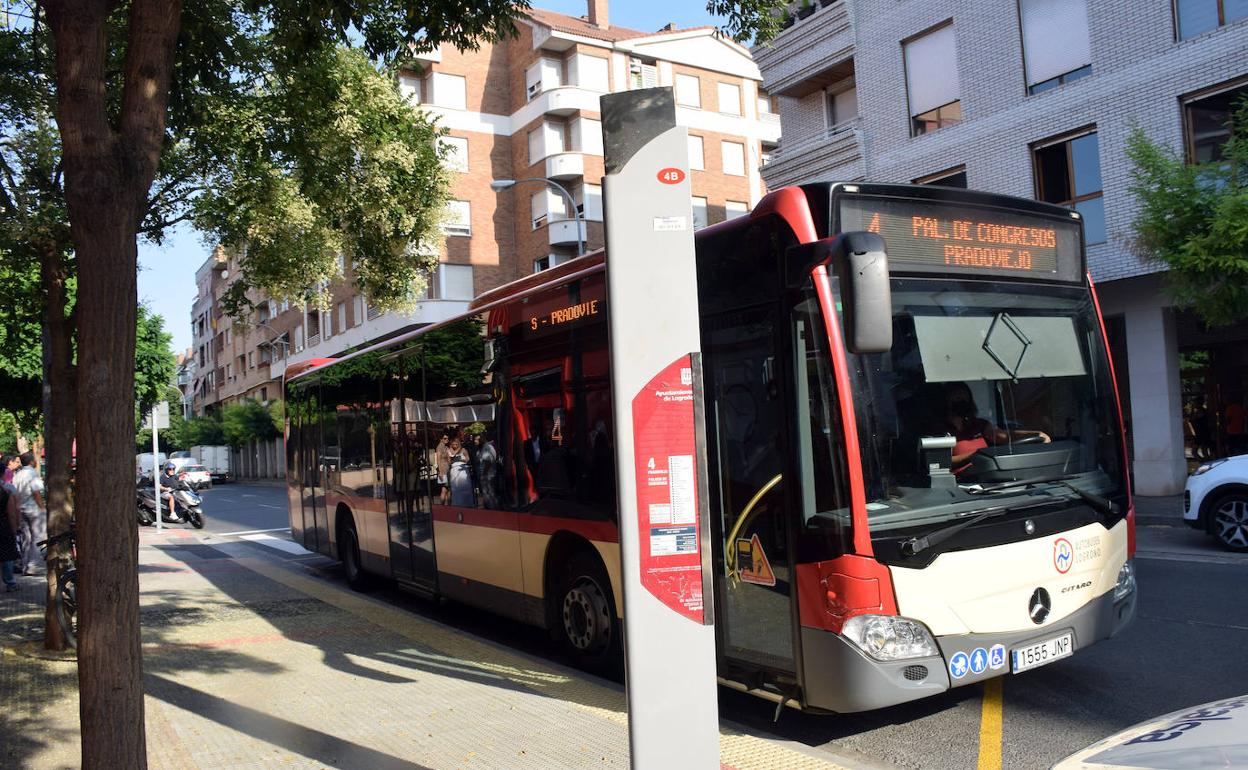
(9, 428)
(453, 355)
(327, 159)
(750, 20)
(204, 431)
(248, 421)
(1193, 218)
(154, 361)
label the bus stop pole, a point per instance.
(155, 462)
(652, 303)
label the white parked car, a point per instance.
(1211, 735)
(196, 475)
(1216, 500)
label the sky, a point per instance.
(167, 273)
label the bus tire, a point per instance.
(1228, 520)
(349, 555)
(584, 612)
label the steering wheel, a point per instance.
(1029, 440)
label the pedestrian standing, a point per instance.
(9, 522)
(11, 464)
(29, 488)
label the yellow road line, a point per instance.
(990, 726)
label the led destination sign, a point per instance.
(938, 237)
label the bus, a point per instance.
(913, 486)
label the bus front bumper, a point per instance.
(840, 677)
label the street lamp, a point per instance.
(498, 185)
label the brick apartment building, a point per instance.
(1035, 98)
(523, 109)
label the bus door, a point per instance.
(745, 417)
(315, 529)
(411, 523)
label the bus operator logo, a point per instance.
(1063, 555)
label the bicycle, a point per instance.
(67, 588)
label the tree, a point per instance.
(248, 421)
(746, 20)
(133, 83)
(1193, 218)
(154, 363)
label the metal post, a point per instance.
(155, 462)
(655, 345)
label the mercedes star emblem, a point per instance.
(1038, 607)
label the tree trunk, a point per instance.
(58, 423)
(108, 172)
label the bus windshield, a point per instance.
(986, 384)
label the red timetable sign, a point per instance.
(665, 451)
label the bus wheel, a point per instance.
(1229, 523)
(349, 553)
(586, 613)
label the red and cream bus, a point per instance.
(897, 507)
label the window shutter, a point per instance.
(1055, 37)
(932, 70)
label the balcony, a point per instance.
(562, 232)
(815, 52)
(834, 156)
(565, 165)
(565, 100)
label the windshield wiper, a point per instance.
(1104, 506)
(916, 544)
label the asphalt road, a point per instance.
(1184, 648)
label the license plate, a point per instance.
(1040, 653)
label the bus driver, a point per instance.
(972, 432)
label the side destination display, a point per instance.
(930, 236)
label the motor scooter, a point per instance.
(188, 506)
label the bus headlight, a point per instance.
(1126, 580)
(888, 637)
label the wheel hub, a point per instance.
(585, 619)
(1231, 520)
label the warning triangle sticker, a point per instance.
(752, 564)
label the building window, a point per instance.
(729, 98)
(547, 206)
(589, 202)
(1068, 172)
(842, 104)
(642, 74)
(251, 359)
(697, 156)
(688, 90)
(458, 218)
(1206, 120)
(952, 177)
(342, 317)
(734, 209)
(450, 91)
(1195, 17)
(543, 75)
(541, 263)
(766, 152)
(932, 80)
(589, 72)
(699, 212)
(547, 139)
(734, 158)
(357, 310)
(454, 151)
(454, 282)
(1055, 42)
(298, 338)
(764, 103)
(411, 88)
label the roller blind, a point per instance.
(1055, 37)
(932, 70)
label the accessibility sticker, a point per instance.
(752, 564)
(958, 665)
(979, 660)
(996, 657)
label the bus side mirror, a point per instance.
(861, 266)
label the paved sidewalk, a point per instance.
(254, 662)
(1166, 511)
